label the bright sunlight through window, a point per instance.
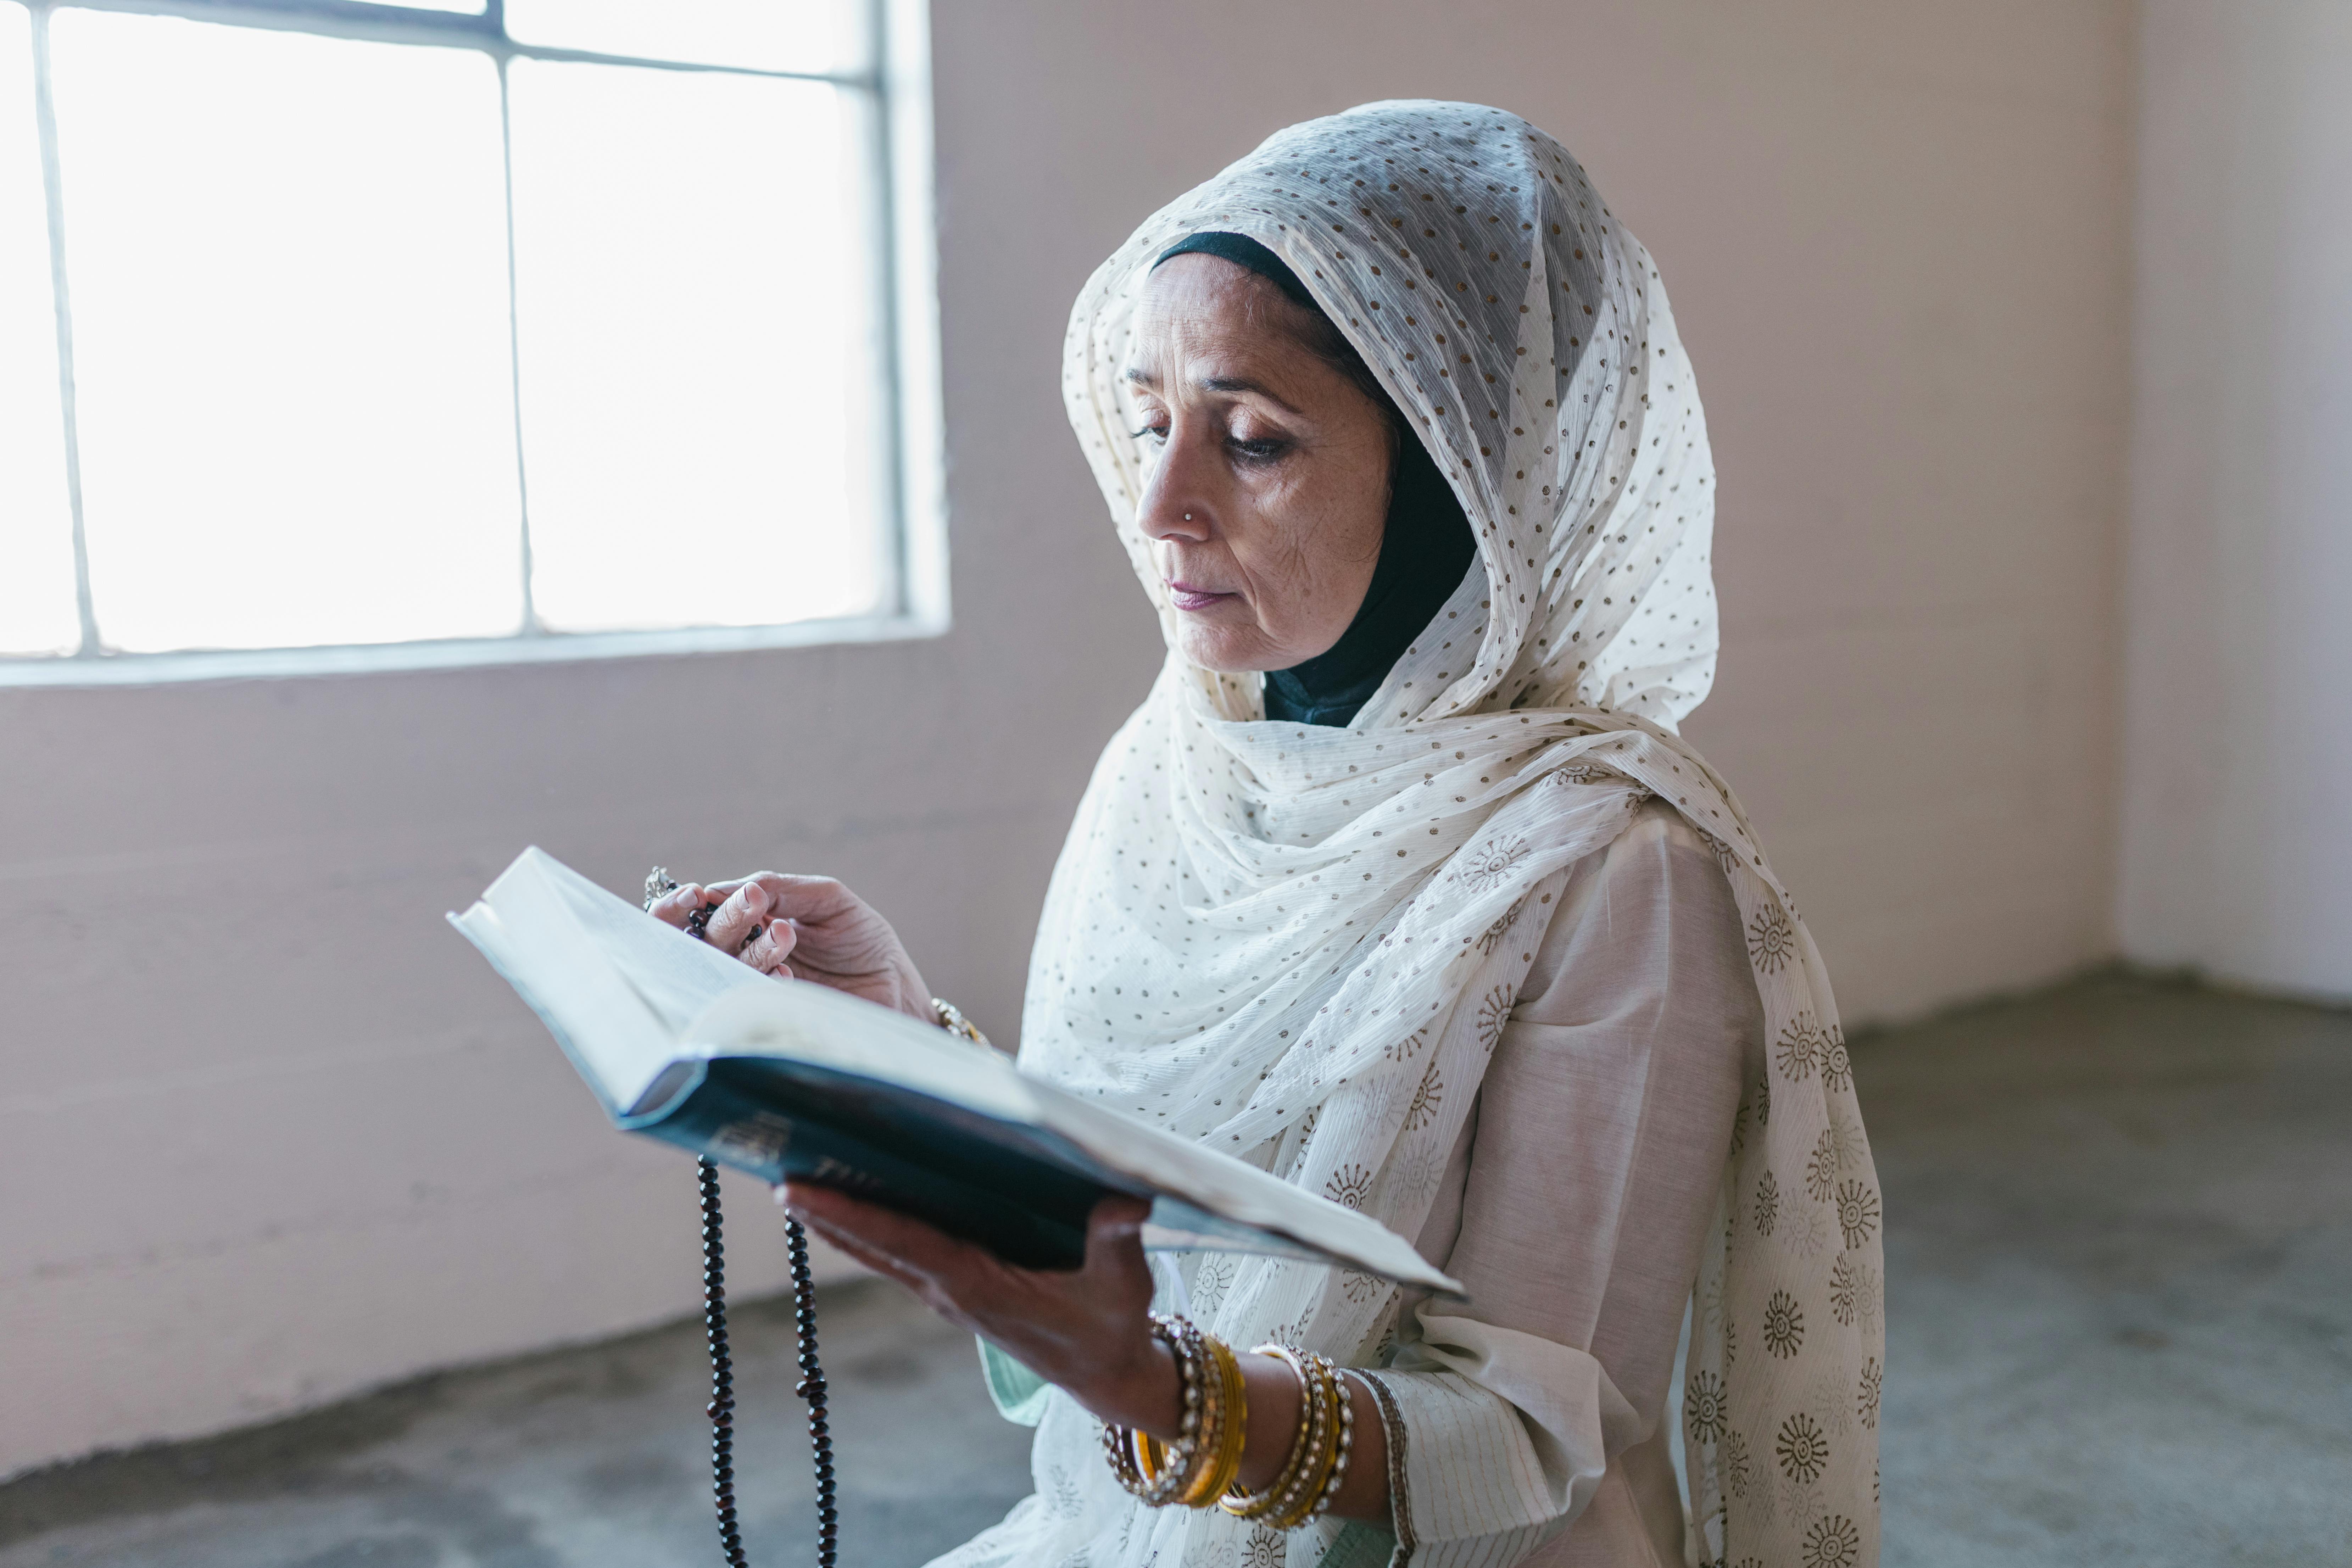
(512, 330)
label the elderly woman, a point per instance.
(1401, 885)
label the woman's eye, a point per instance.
(1150, 432)
(1264, 449)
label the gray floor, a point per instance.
(2119, 1257)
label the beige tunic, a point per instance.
(1528, 1426)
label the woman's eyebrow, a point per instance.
(1242, 383)
(1150, 380)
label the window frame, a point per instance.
(912, 509)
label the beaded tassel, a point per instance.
(723, 1369)
(721, 1409)
(811, 1388)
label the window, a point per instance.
(335, 334)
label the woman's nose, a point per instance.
(1173, 506)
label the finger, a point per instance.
(926, 1288)
(799, 898)
(1115, 1238)
(872, 1257)
(923, 1248)
(762, 953)
(673, 907)
(730, 926)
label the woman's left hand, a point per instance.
(1087, 1330)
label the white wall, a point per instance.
(268, 1133)
(2237, 839)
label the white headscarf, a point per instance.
(1298, 944)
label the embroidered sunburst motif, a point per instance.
(1852, 1143)
(1065, 1492)
(1216, 1278)
(1771, 940)
(1492, 863)
(1784, 1325)
(1837, 1068)
(1263, 1550)
(1405, 1050)
(1422, 1112)
(1829, 1401)
(1732, 1345)
(1348, 1186)
(1764, 1101)
(1842, 1288)
(1492, 937)
(1493, 1011)
(1800, 1504)
(1865, 1398)
(1579, 774)
(1768, 1205)
(1809, 1229)
(1417, 1172)
(1724, 855)
(1738, 1470)
(1799, 1048)
(1833, 1541)
(1820, 1168)
(1804, 1449)
(1868, 1295)
(1857, 1213)
(1358, 1288)
(1702, 1407)
(1293, 1332)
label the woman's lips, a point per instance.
(1185, 596)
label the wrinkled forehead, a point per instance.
(1194, 296)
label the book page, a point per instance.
(615, 987)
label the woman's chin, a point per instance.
(1227, 650)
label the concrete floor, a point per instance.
(2119, 1255)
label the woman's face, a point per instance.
(1266, 499)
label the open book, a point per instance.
(783, 1078)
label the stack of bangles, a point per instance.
(1202, 1468)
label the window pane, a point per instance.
(292, 377)
(758, 35)
(37, 579)
(698, 370)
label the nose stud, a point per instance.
(1188, 517)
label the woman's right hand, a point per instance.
(809, 928)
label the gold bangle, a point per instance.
(1245, 1504)
(1307, 1485)
(1222, 1458)
(1290, 1500)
